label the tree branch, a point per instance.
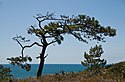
(15, 38)
(39, 56)
(35, 43)
(23, 47)
(52, 42)
(49, 36)
(45, 56)
(49, 16)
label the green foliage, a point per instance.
(5, 73)
(81, 27)
(21, 61)
(93, 60)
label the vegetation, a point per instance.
(5, 73)
(117, 71)
(110, 73)
(82, 27)
(92, 61)
(22, 62)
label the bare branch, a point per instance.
(39, 57)
(49, 16)
(40, 25)
(49, 36)
(23, 47)
(35, 43)
(18, 42)
(45, 56)
(52, 42)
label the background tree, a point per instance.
(92, 59)
(82, 27)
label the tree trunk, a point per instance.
(41, 65)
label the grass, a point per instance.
(67, 77)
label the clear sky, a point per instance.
(17, 15)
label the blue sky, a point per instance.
(17, 15)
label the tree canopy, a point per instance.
(83, 28)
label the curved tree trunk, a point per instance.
(41, 65)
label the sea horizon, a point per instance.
(20, 73)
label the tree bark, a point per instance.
(41, 65)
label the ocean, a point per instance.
(18, 72)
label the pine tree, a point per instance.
(82, 27)
(92, 59)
